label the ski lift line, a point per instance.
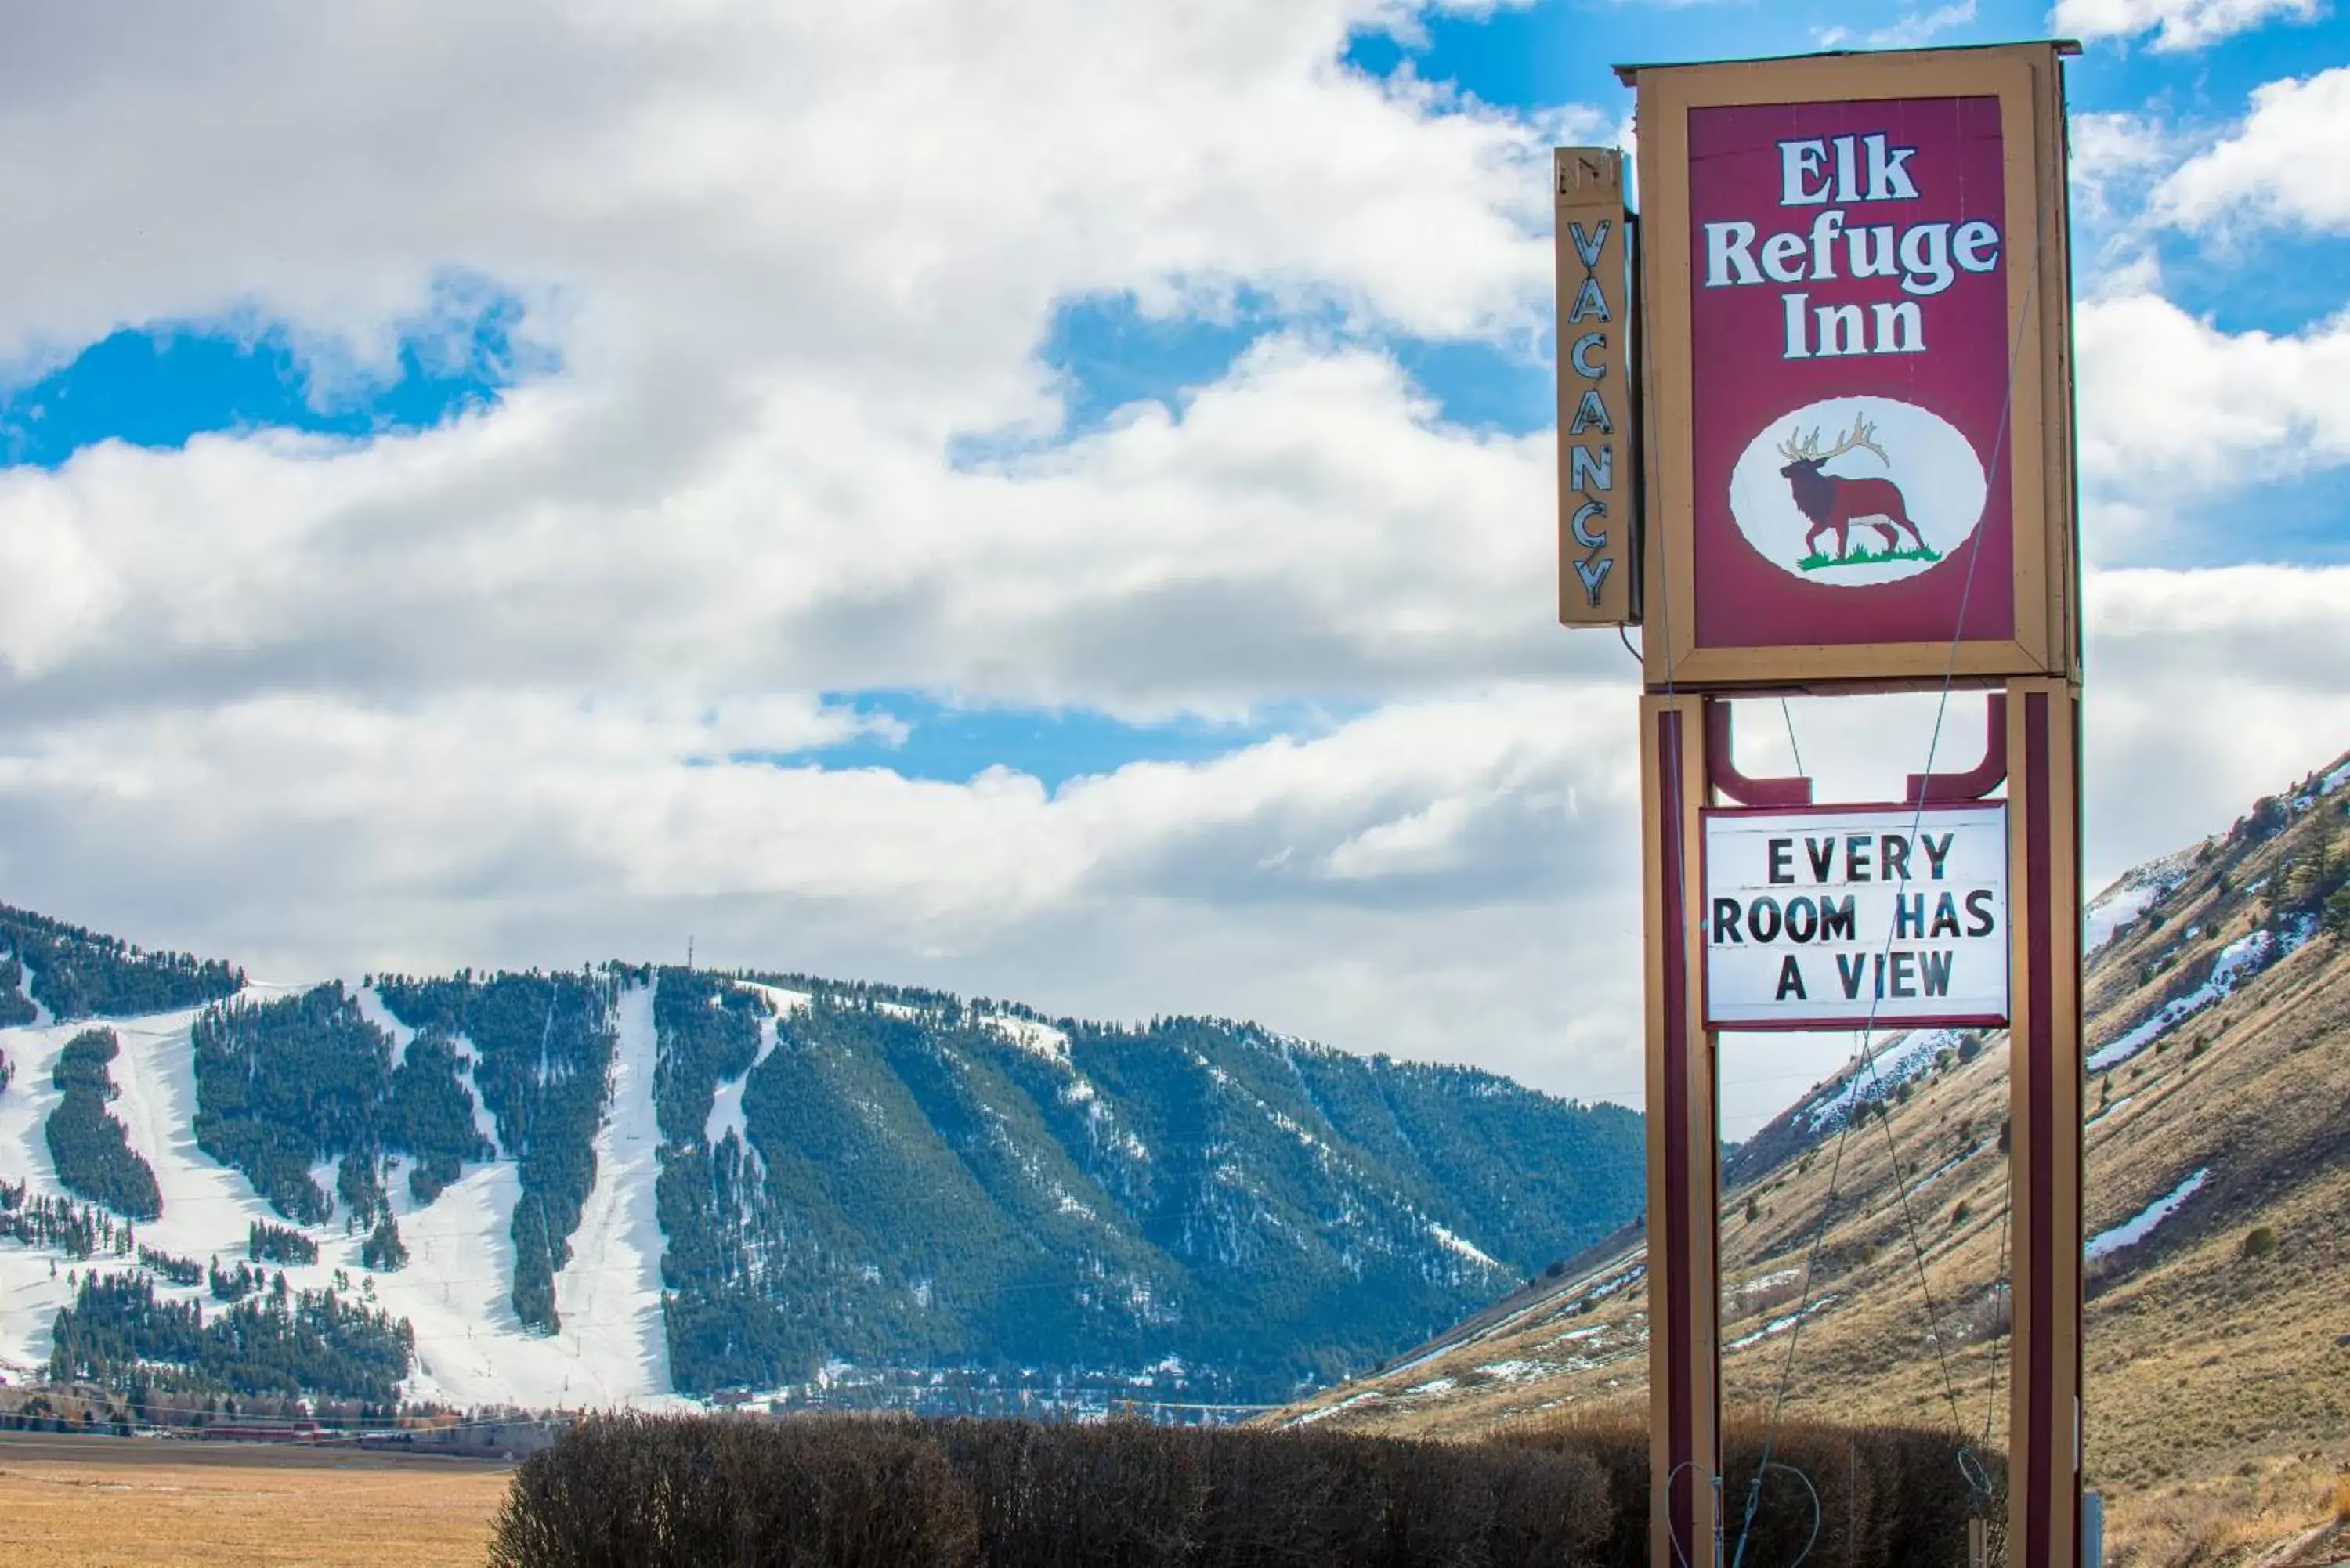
(1933, 744)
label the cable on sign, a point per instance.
(1869, 1052)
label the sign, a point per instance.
(1844, 917)
(1599, 557)
(1858, 366)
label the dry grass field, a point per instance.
(65, 1502)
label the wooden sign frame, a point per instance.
(1598, 457)
(2026, 80)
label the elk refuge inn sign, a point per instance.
(1844, 917)
(1854, 436)
(1815, 435)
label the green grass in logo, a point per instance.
(1816, 563)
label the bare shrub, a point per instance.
(814, 1492)
(1888, 1496)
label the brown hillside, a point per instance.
(2218, 1344)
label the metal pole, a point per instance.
(2044, 1109)
(1684, 1148)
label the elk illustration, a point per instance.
(1833, 504)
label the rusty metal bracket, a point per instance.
(1939, 789)
(1732, 785)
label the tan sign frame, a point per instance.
(2027, 81)
(1599, 458)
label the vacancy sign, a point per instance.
(1845, 917)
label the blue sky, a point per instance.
(785, 514)
(158, 383)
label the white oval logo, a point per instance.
(1852, 492)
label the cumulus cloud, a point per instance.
(1916, 27)
(312, 836)
(2207, 690)
(2177, 25)
(2282, 165)
(2169, 401)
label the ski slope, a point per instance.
(471, 1348)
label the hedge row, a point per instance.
(889, 1492)
(1888, 1496)
(854, 1492)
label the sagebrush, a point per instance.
(881, 1492)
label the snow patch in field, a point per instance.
(2238, 961)
(1516, 1370)
(2140, 1225)
(1327, 1411)
(1781, 1324)
(1935, 1175)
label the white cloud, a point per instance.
(1917, 27)
(2206, 691)
(2283, 164)
(423, 835)
(1305, 525)
(2177, 25)
(2174, 410)
(2114, 160)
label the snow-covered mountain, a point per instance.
(628, 1184)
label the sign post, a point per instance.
(1854, 449)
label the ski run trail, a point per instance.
(471, 1348)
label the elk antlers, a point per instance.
(1801, 448)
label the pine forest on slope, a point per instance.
(631, 1181)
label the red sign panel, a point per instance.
(1857, 411)
(1848, 317)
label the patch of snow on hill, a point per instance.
(2129, 895)
(1468, 1249)
(2140, 1225)
(2239, 961)
(1781, 1324)
(1516, 1370)
(1327, 1411)
(726, 1104)
(2112, 909)
(29, 1297)
(785, 1002)
(1908, 1056)
(372, 1008)
(1029, 1034)
(2334, 780)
